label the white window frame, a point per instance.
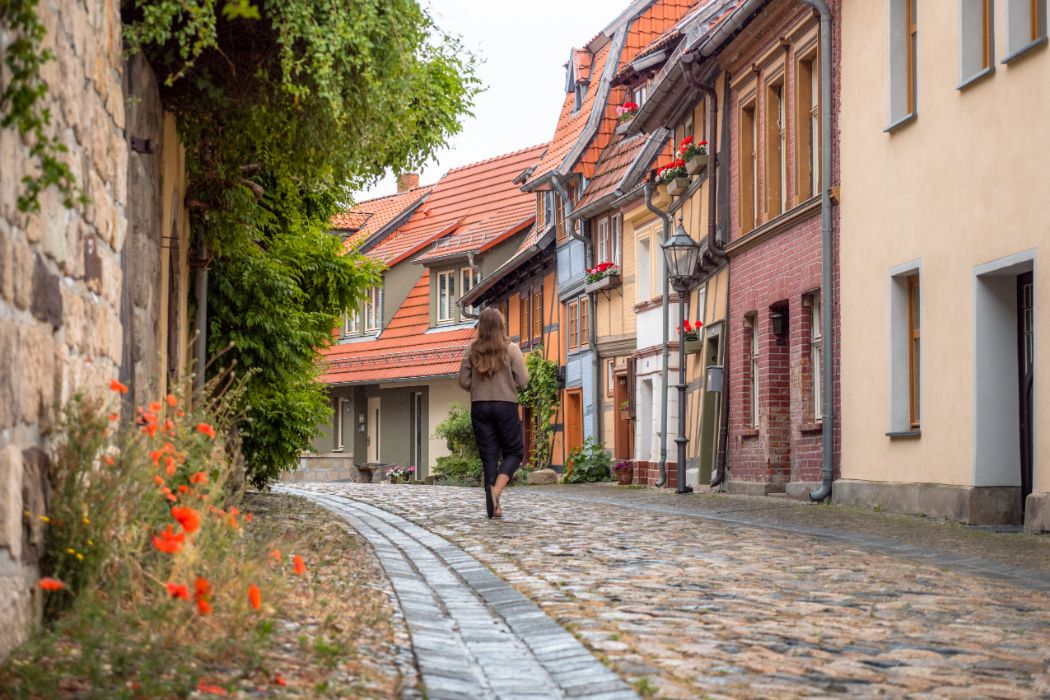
(816, 354)
(640, 94)
(468, 279)
(446, 292)
(616, 239)
(603, 240)
(351, 323)
(372, 308)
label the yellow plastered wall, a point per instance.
(964, 184)
(175, 279)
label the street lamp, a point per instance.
(682, 254)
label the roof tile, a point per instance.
(368, 217)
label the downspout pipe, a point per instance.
(721, 471)
(666, 352)
(588, 262)
(827, 253)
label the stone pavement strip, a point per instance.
(685, 602)
(472, 634)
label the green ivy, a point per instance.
(285, 108)
(540, 397)
(21, 106)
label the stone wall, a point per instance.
(80, 297)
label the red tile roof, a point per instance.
(611, 167)
(366, 218)
(482, 235)
(465, 196)
(404, 350)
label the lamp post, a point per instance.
(681, 253)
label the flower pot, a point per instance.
(677, 186)
(692, 346)
(610, 281)
(694, 164)
(625, 477)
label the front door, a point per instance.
(372, 418)
(709, 415)
(622, 411)
(1026, 377)
(573, 419)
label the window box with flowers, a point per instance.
(691, 336)
(626, 111)
(604, 275)
(694, 153)
(675, 176)
(624, 470)
(400, 475)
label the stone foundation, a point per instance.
(974, 505)
(1037, 512)
(752, 488)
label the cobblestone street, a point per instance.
(710, 596)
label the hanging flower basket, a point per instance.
(677, 186)
(609, 281)
(693, 345)
(694, 153)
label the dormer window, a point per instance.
(640, 94)
(351, 323)
(468, 279)
(372, 310)
(446, 296)
(579, 93)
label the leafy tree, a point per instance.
(286, 107)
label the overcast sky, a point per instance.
(523, 47)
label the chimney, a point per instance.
(407, 181)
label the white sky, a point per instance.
(523, 47)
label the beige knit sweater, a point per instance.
(502, 386)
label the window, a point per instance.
(753, 366)
(603, 240)
(644, 265)
(537, 315)
(807, 104)
(776, 150)
(748, 158)
(469, 278)
(816, 355)
(905, 350)
(524, 305)
(616, 239)
(541, 210)
(610, 379)
(903, 58)
(372, 308)
(975, 39)
(913, 349)
(585, 323)
(351, 323)
(446, 296)
(641, 94)
(559, 218)
(1025, 26)
(572, 313)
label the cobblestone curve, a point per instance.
(472, 634)
(701, 608)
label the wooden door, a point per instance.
(373, 436)
(573, 419)
(622, 423)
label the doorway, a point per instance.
(373, 435)
(709, 415)
(418, 434)
(573, 419)
(622, 432)
(1026, 378)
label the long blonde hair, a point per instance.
(488, 352)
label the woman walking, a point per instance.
(493, 371)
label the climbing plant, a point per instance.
(540, 397)
(22, 105)
(286, 107)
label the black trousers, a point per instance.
(497, 431)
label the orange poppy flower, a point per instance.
(198, 478)
(155, 407)
(247, 517)
(203, 607)
(108, 460)
(155, 455)
(183, 488)
(254, 596)
(187, 517)
(206, 429)
(168, 494)
(150, 429)
(299, 566)
(170, 398)
(278, 679)
(113, 417)
(168, 541)
(276, 555)
(169, 427)
(118, 387)
(158, 479)
(169, 466)
(51, 584)
(201, 586)
(211, 689)
(178, 591)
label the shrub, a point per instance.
(463, 465)
(590, 463)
